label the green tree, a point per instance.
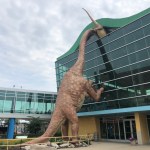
(35, 127)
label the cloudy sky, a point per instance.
(33, 33)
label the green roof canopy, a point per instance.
(107, 22)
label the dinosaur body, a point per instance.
(71, 96)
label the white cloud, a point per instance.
(34, 33)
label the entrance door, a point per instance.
(129, 129)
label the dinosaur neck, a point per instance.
(77, 68)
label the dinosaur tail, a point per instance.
(56, 121)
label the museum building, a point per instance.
(120, 60)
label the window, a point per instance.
(120, 62)
(145, 19)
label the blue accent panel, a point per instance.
(115, 111)
(11, 127)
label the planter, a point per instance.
(133, 142)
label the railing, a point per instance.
(6, 144)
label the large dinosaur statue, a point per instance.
(71, 95)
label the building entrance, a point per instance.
(122, 128)
(129, 128)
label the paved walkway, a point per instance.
(112, 146)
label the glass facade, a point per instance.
(27, 102)
(120, 60)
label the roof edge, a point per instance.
(108, 22)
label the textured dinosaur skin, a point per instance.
(71, 96)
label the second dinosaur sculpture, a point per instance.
(71, 94)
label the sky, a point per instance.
(34, 33)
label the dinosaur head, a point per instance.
(98, 27)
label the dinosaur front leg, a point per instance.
(92, 93)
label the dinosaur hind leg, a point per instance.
(64, 129)
(72, 117)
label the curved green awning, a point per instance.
(107, 22)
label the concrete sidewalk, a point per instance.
(112, 146)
